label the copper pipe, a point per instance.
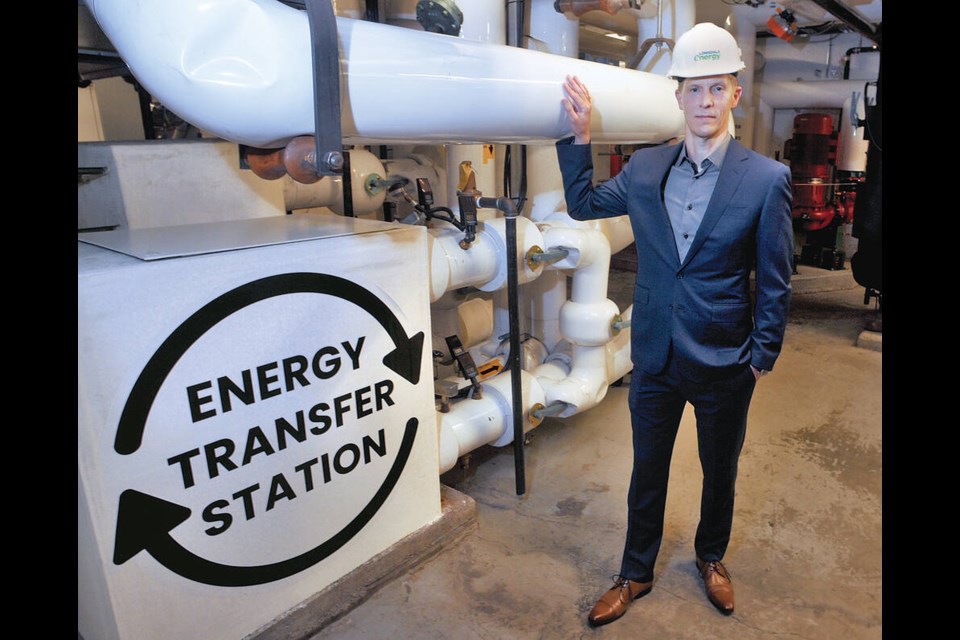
(580, 7)
(265, 163)
(300, 159)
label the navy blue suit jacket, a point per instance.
(702, 306)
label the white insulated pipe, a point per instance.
(676, 17)
(483, 265)
(451, 267)
(586, 384)
(485, 22)
(242, 70)
(588, 256)
(586, 320)
(812, 94)
(619, 360)
(553, 32)
(474, 422)
(852, 146)
(617, 229)
(544, 297)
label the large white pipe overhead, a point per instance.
(241, 70)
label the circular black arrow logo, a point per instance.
(404, 359)
(144, 522)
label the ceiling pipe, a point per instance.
(849, 18)
(677, 17)
(659, 40)
(813, 94)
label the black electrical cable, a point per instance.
(432, 213)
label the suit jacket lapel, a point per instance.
(731, 173)
(668, 245)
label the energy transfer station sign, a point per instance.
(255, 421)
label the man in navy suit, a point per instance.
(704, 214)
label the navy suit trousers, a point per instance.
(656, 406)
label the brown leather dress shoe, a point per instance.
(614, 602)
(716, 580)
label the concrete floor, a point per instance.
(807, 542)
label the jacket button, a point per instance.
(679, 276)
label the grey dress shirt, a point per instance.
(687, 193)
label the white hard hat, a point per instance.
(705, 50)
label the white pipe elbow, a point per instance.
(617, 231)
(588, 247)
(586, 384)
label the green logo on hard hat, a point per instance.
(707, 55)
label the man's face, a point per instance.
(706, 104)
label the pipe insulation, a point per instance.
(619, 358)
(852, 145)
(586, 319)
(483, 265)
(475, 422)
(241, 70)
(328, 191)
(813, 94)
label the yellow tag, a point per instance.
(466, 172)
(487, 153)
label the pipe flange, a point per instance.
(531, 252)
(300, 159)
(616, 324)
(531, 416)
(373, 184)
(440, 16)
